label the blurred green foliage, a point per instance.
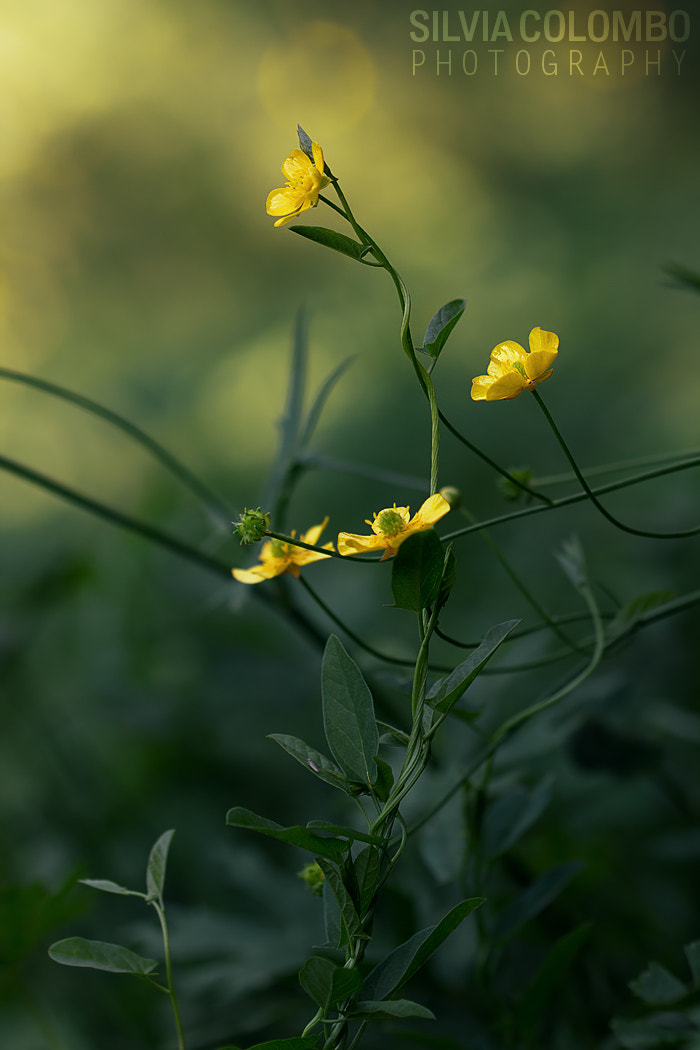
(138, 268)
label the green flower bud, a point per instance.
(312, 875)
(512, 492)
(451, 495)
(252, 525)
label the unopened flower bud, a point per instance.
(312, 875)
(451, 495)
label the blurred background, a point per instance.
(138, 268)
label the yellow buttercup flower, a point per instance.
(278, 556)
(305, 180)
(513, 369)
(392, 526)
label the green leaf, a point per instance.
(446, 692)
(350, 919)
(157, 863)
(98, 955)
(417, 570)
(449, 577)
(107, 886)
(511, 815)
(692, 954)
(553, 972)
(295, 1043)
(573, 562)
(684, 277)
(312, 760)
(657, 986)
(633, 611)
(343, 831)
(661, 1029)
(330, 239)
(348, 714)
(305, 144)
(238, 817)
(438, 331)
(535, 899)
(407, 959)
(385, 780)
(367, 870)
(392, 1008)
(327, 983)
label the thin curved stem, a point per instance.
(216, 507)
(492, 463)
(589, 491)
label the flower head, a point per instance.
(305, 180)
(392, 526)
(251, 525)
(278, 556)
(513, 369)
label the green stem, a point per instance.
(216, 507)
(116, 517)
(295, 542)
(524, 590)
(591, 495)
(169, 973)
(492, 463)
(577, 497)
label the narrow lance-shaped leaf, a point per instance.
(392, 1008)
(445, 693)
(315, 761)
(330, 239)
(407, 959)
(348, 714)
(348, 914)
(157, 863)
(107, 886)
(99, 955)
(238, 817)
(327, 983)
(417, 570)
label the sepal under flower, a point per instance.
(513, 369)
(392, 526)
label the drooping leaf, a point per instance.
(367, 869)
(535, 898)
(345, 832)
(439, 328)
(392, 1008)
(401, 964)
(330, 239)
(157, 863)
(239, 817)
(417, 570)
(327, 983)
(99, 955)
(348, 914)
(348, 714)
(107, 886)
(511, 815)
(445, 693)
(657, 986)
(313, 760)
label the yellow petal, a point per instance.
(259, 572)
(506, 388)
(313, 534)
(349, 543)
(541, 340)
(504, 357)
(538, 362)
(434, 508)
(480, 387)
(318, 157)
(296, 164)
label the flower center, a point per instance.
(389, 522)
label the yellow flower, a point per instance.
(392, 526)
(513, 369)
(278, 556)
(305, 180)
